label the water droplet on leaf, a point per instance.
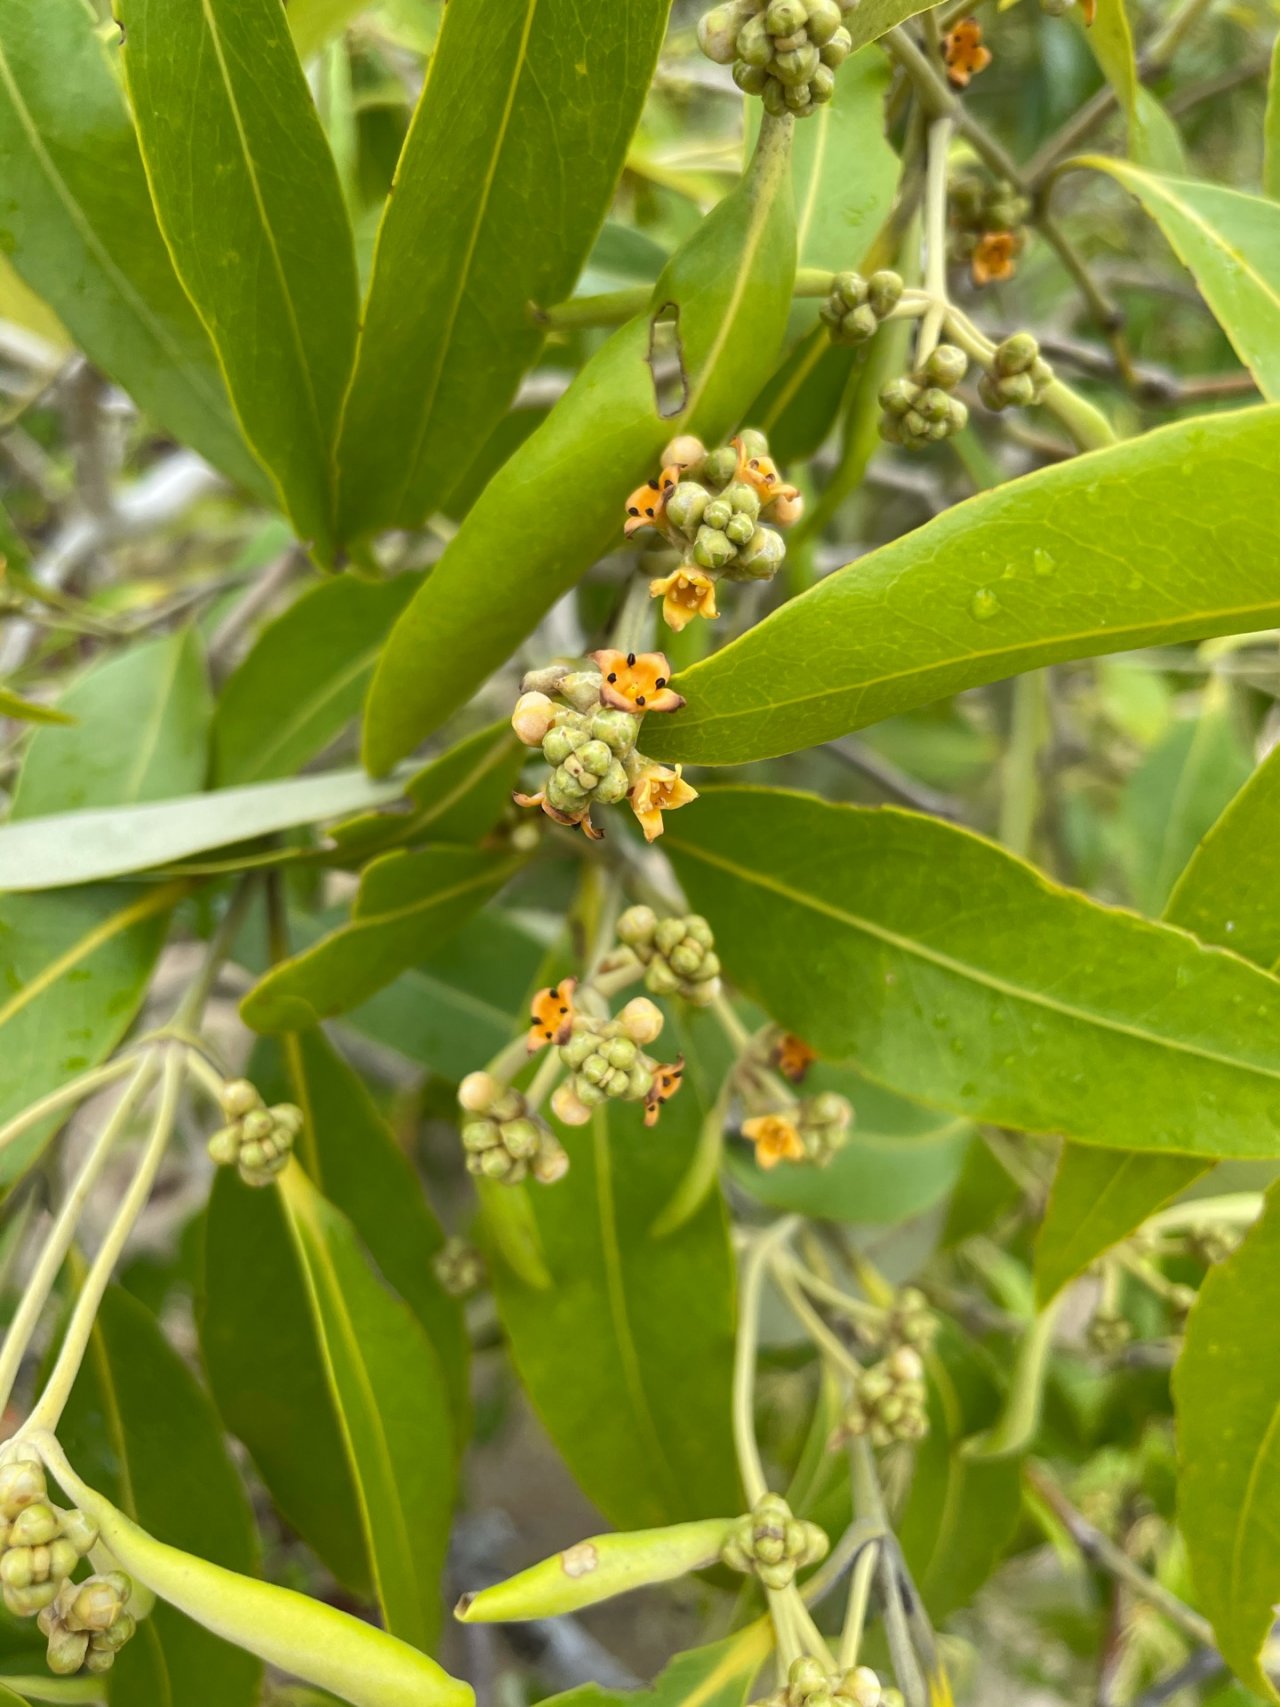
(984, 604)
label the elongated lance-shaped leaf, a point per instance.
(78, 224)
(1228, 1410)
(951, 971)
(717, 1676)
(504, 180)
(1226, 897)
(1231, 243)
(728, 291)
(1166, 537)
(1153, 136)
(249, 201)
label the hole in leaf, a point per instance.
(666, 361)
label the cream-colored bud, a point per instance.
(478, 1092)
(906, 1364)
(533, 716)
(642, 1020)
(568, 1106)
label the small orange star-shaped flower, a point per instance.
(647, 505)
(759, 472)
(660, 789)
(964, 53)
(552, 1015)
(793, 1057)
(994, 257)
(775, 1138)
(666, 1082)
(685, 593)
(1090, 10)
(636, 681)
(583, 822)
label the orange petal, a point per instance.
(551, 1017)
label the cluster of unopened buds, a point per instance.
(919, 409)
(809, 1685)
(1017, 376)
(772, 1544)
(502, 1139)
(785, 51)
(856, 307)
(721, 510)
(910, 1321)
(678, 954)
(988, 226)
(459, 1267)
(889, 1401)
(812, 1131)
(87, 1624)
(587, 723)
(606, 1057)
(1109, 1331)
(257, 1141)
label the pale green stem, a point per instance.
(869, 1316)
(700, 1176)
(61, 1235)
(1018, 1421)
(810, 1634)
(744, 1364)
(549, 1070)
(868, 1500)
(206, 1073)
(1089, 427)
(935, 237)
(79, 1090)
(786, 1633)
(731, 1025)
(1236, 1209)
(56, 1690)
(48, 1410)
(812, 1323)
(187, 1013)
(855, 1617)
(1020, 794)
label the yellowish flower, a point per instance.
(647, 505)
(793, 1057)
(552, 1015)
(685, 593)
(666, 1082)
(661, 788)
(582, 821)
(776, 1139)
(964, 53)
(636, 681)
(994, 257)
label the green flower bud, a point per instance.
(80, 1531)
(552, 1161)
(857, 325)
(637, 926)
(480, 1135)
(17, 1567)
(22, 1483)
(29, 1602)
(740, 529)
(860, 1687)
(63, 1559)
(946, 366)
(825, 19)
(595, 1069)
(717, 513)
(459, 1267)
(762, 557)
(1016, 354)
(687, 502)
(669, 934)
(718, 33)
(620, 1052)
(99, 1660)
(562, 740)
(617, 729)
(884, 291)
(112, 1640)
(497, 1164)
(568, 1106)
(785, 17)
(520, 1138)
(796, 67)
(587, 1092)
(837, 50)
(256, 1126)
(35, 1526)
(897, 396)
(565, 793)
(661, 979)
(240, 1098)
(99, 1602)
(614, 784)
(754, 44)
(850, 289)
(66, 1652)
(822, 85)
(641, 1020)
(796, 98)
(775, 101)
(713, 549)
(595, 757)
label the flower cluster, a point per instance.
(772, 1544)
(1018, 374)
(988, 226)
(919, 409)
(87, 1625)
(502, 1140)
(257, 1140)
(856, 306)
(785, 51)
(40, 1545)
(814, 1131)
(721, 510)
(911, 1322)
(587, 723)
(1109, 1331)
(678, 954)
(808, 1685)
(459, 1267)
(607, 1062)
(889, 1400)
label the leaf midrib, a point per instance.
(157, 901)
(973, 974)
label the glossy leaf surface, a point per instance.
(1113, 550)
(505, 177)
(77, 222)
(248, 198)
(946, 968)
(716, 1676)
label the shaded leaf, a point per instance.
(720, 1675)
(1109, 551)
(248, 198)
(304, 678)
(145, 1432)
(408, 903)
(457, 797)
(29, 711)
(515, 554)
(1153, 136)
(1271, 130)
(1228, 1414)
(78, 224)
(947, 969)
(507, 172)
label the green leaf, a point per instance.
(77, 223)
(351, 1154)
(81, 847)
(1161, 538)
(457, 797)
(627, 1357)
(506, 175)
(720, 1675)
(1231, 244)
(962, 1511)
(1271, 130)
(141, 732)
(28, 711)
(871, 18)
(304, 678)
(341, 1362)
(517, 553)
(74, 970)
(1153, 136)
(900, 1160)
(947, 969)
(1228, 1415)
(142, 1428)
(249, 201)
(407, 904)
(1225, 895)
(314, 23)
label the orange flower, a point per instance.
(666, 1082)
(964, 53)
(583, 823)
(685, 593)
(793, 1057)
(552, 1015)
(1090, 10)
(775, 1138)
(660, 789)
(636, 681)
(993, 257)
(760, 473)
(647, 505)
